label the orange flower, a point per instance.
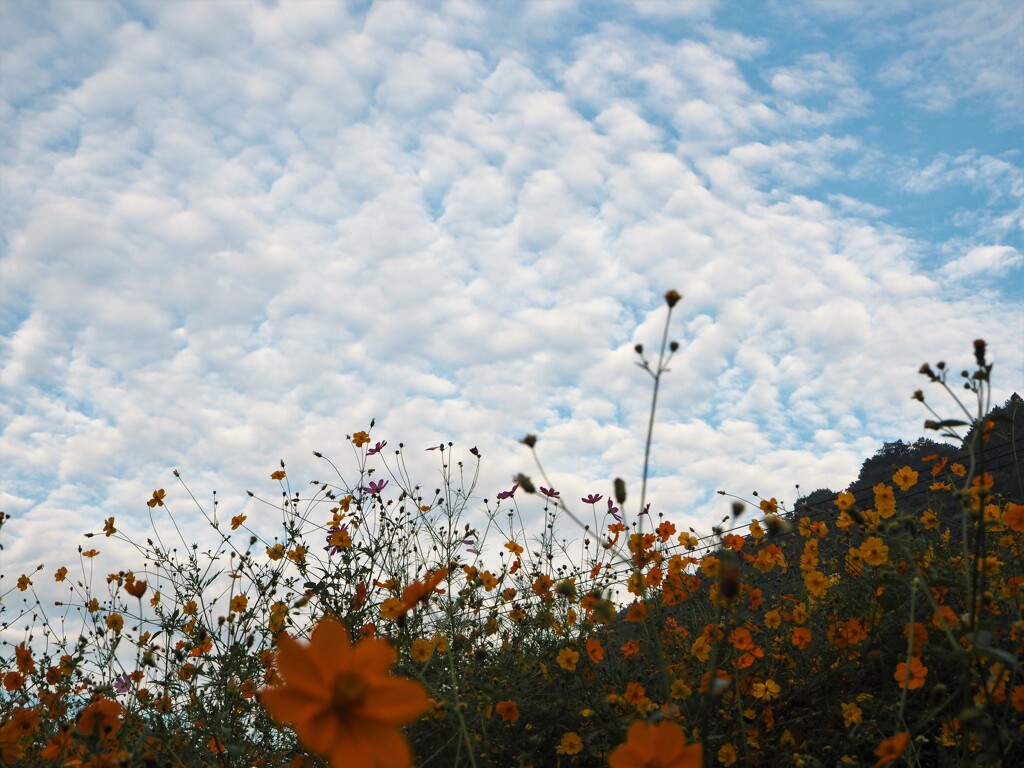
(1014, 517)
(158, 498)
(507, 710)
(890, 749)
(656, 746)
(913, 677)
(419, 591)
(594, 650)
(136, 588)
(103, 716)
(342, 701)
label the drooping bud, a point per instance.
(529, 441)
(525, 483)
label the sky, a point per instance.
(235, 232)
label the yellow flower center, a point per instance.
(347, 692)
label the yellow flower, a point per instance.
(90, 553)
(236, 521)
(61, 574)
(701, 648)
(815, 583)
(905, 478)
(568, 659)
(342, 700)
(571, 744)
(851, 714)
(359, 439)
(275, 552)
(767, 690)
(727, 754)
(278, 475)
(108, 527)
(158, 498)
(239, 603)
(421, 650)
(115, 621)
(24, 582)
(874, 551)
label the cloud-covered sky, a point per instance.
(234, 232)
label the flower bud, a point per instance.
(672, 298)
(620, 490)
(529, 441)
(979, 352)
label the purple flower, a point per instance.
(375, 486)
(551, 493)
(123, 683)
(647, 509)
(474, 451)
(508, 494)
(377, 448)
(592, 498)
(614, 511)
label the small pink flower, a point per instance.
(508, 494)
(375, 486)
(592, 498)
(551, 493)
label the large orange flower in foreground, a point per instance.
(342, 700)
(656, 746)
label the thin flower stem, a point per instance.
(650, 420)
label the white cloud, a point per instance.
(988, 260)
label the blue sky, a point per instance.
(234, 232)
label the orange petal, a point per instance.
(297, 667)
(396, 701)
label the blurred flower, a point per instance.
(507, 710)
(342, 700)
(890, 750)
(661, 745)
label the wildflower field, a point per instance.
(381, 629)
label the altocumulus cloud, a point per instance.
(235, 232)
